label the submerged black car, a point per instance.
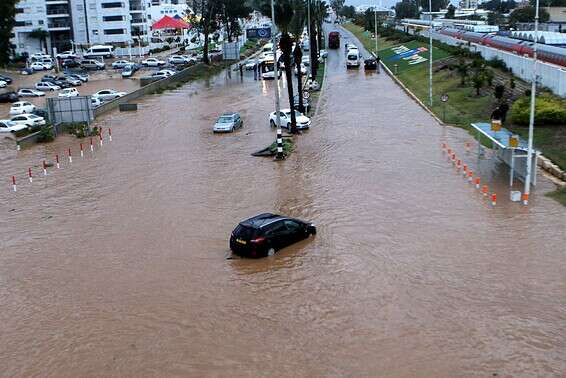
(264, 234)
(370, 64)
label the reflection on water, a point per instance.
(117, 265)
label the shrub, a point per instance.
(499, 91)
(549, 110)
(497, 63)
(46, 134)
(81, 130)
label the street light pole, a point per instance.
(375, 22)
(532, 115)
(430, 55)
(309, 35)
(279, 140)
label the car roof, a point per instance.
(229, 114)
(262, 220)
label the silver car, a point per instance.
(227, 123)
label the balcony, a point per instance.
(57, 12)
(58, 26)
(56, 2)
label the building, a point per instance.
(468, 4)
(52, 16)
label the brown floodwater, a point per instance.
(119, 265)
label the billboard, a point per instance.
(262, 33)
(411, 56)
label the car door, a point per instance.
(295, 231)
(276, 234)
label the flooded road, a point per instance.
(118, 265)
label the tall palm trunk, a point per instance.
(286, 45)
(298, 57)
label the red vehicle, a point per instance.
(334, 40)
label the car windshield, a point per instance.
(297, 113)
(352, 57)
(32, 116)
(225, 119)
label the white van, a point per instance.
(268, 47)
(352, 58)
(99, 51)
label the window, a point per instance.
(80, 7)
(112, 5)
(95, 32)
(276, 228)
(113, 31)
(40, 22)
(19, 10)
(92, 6)
(292, 226)
(112, 18)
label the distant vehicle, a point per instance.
(71, 80)
(167, 72)
(249, 64)
(38, 66)
(130, 70)
(66, 55)
(306, 103)
(7, 126)
(3, 84)
(38, 56)
(119, 64)
(108, 94)
(47, 62)
(46, 86)
(79, 76)
(370, 64)
(55, 81)
(306, 60)
(8, 97)
(91, 64)
(70, 63)
(178, 59)
(69, 92)
(305, 45)
(26, 71)
(323, 54)
(28, 92)
(99, 51)
(353, 58)
(190, 59)
(227, 123)
(7, 79)
(334, 40)
(303, 122)
(21, 107)
(95, 102)
(268, 47)
(29, 120)
(267, 233)
(153, 62)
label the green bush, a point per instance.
(498, 63)
(46, 134)
(549, 111)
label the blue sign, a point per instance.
(262, 33)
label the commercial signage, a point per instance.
(410, 55)
(263, 33)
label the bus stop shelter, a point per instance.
(509, 148)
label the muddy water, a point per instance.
(118, 265)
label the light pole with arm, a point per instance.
(279, 141)
(430, 55)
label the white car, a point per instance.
(47, 63)
(47, 86)
(38, 66)
(39, 56)
(3, 84)
(323, 54)
(250, 64)
(7, 126)
(306, 60)
(66, 55)
(303, 122)
(353, 58)
(95, 102)
(269, 75)
(153, 62)
(28, 92)
(29, 120)
(21, 107)
(108, 94)
(189, 59)
(119, 64)
(167, 73)
(178, 59)
(69, 92)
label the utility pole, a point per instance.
(430, 55)
(311, 65)
(279, 141)
(532, 115)
(375, 22)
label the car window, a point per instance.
(18, 118)
(292, 225)
(275, 228)
(2, 124)
(245, 232)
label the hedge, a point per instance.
(549, 110)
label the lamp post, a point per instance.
(309, 35)
(279, 155)
(375, 22)
(430, 55)
(532, 115)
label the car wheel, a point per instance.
(270, 251)
(289, 126)
(272, 123)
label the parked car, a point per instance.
(352, 58)
(370, 64)
(270, 75)
(323, 54)
(21, 107)
(153, 62)
(3, 84)
(38, 66)
(162, 74)
(189, 59)
(108, 94)
(47, 86)
(27, 71)
(28, 92)
(92, 64)
(303, 122)
(304, 70)
(70, 63)
(80, 76)
(7, 126)
(71, 80)
(29, 120)
(167, 73)
(66, 55)
(8, 97)
(7, 79)
(119, 64)
(39, 56)
(54, 81)
(267, 233)
(177, 59)
(249, 65)
(69, 92)
(130, 70)
(95, 102)
(227, 123)
(47, 62)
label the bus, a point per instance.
(333, 40)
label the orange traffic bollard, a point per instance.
(478, 182)
(485, 190)
(494, 199)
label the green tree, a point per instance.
(435, 4)
(296, 29)
(462, 69)
(337, 5)
(232, 11)
(406, 9)
(495, 18)
(348, 11)
(527, 14)
(451, 10)
(41, 35)
(7, 21)
(499, 91)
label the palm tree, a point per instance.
(296, 28)
(284, 13)
(42, 36)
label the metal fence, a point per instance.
(70, 110)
